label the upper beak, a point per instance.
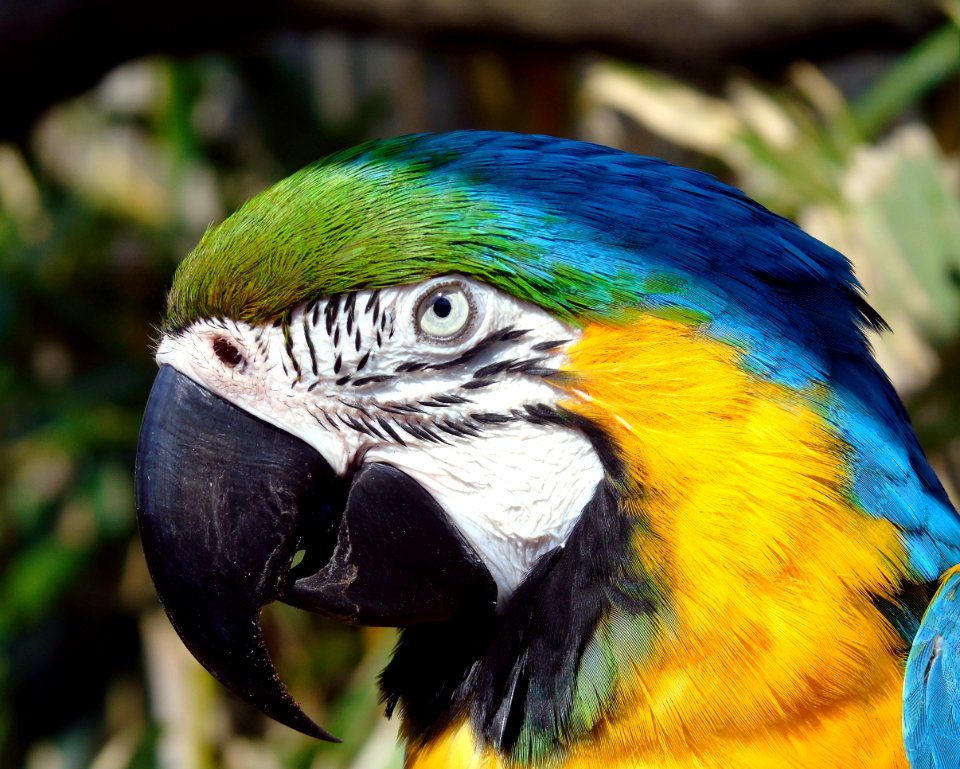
(224, 502)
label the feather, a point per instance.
(931, 712)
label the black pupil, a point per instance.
(227, 352)
(442, 306)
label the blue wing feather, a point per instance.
(931, 691)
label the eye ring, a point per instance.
(445, 312)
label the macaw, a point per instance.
(603, 436)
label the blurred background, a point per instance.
(127, 128)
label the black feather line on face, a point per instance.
(432, 435)
(331, 311)
(469, 429)
(450, 429)
(476, 384)
(390, 431)
(491, 418)
(288, 344)
(548, 346)
(410, 429)
(410, 408)
(410, 366)
(391, 408)
(601, 442)
(310, 347)
(452, 400)
(373, 430)
(418, 431)
(371, 380)
(350, 421)
(493, 369)
(356, 406)
(506, 334)
(485, 375)
(515, 673)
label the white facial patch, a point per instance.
(448, 380)
(514, 496)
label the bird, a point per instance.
(604, 437)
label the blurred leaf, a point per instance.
(911, 210)
(905, 83)
(663, 105)
(33, 580)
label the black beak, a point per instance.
(224, 502)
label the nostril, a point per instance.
(227, 352)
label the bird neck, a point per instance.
(744, 626)
(775, 579)
(520, 675)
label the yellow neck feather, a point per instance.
(775, 653)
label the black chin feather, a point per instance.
(515, 674)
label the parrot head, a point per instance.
(532, 401)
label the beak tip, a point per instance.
(323, 734)
(302, 723)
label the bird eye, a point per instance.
(445, 312)
(227, 352)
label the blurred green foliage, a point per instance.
(94, 215)
(114, 187)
